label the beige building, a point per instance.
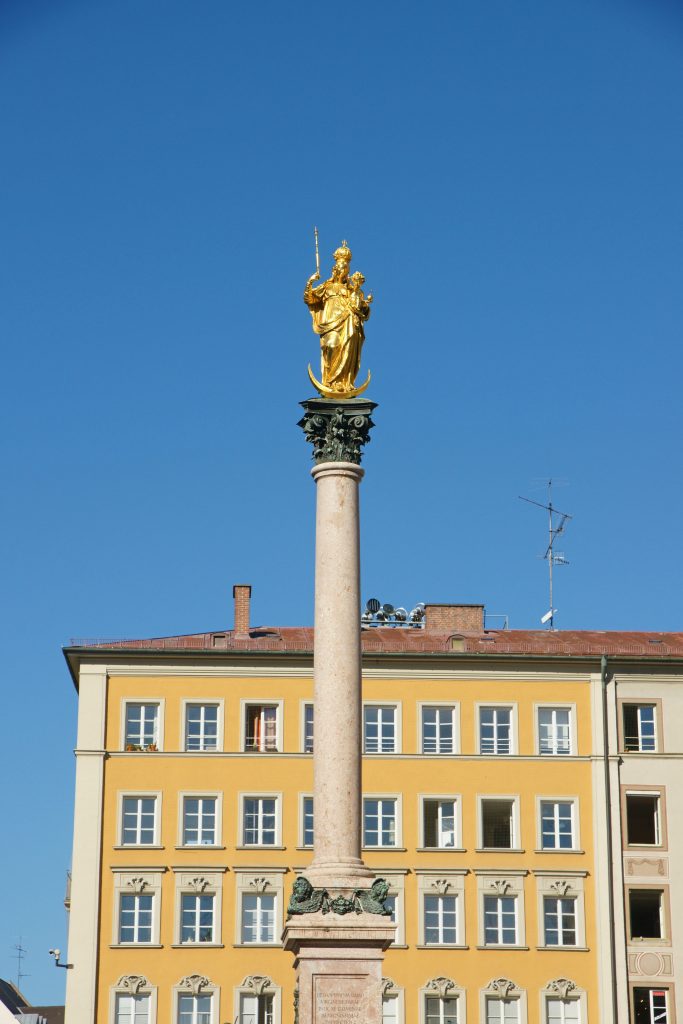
(531, 867)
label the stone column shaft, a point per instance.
(337, 674)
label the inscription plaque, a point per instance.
(340, 999)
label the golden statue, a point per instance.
(339, 309)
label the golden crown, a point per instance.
(343, 252)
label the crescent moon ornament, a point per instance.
(331, 393)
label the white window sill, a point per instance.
(498, 849)
(441, 849)
(557, 849)
(257, 945)
(563, 949)
(140, 846)
(385, 849)
(440, 945)
(506, 945)
(199, 846)
(257, 846)
(197, 945)
(309, 848)
(135, 945)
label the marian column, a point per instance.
(338, 926)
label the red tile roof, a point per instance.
(587, 643)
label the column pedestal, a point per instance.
(339, 966)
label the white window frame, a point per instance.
(567, 885)
(242, 797)
(437, 882)
(256, 985)
(514, 725)
(398, 827)
(576, 820)
(494, 991)
(160, 704)
(302, 725)
(457, 800)
(217, 702)
(516, 829)
(442, 988)
(555, 706)
(396, 707)
(496, 882)
(199, 882)
(390, 991)
(658, 796)
(250, 702)
(567, 991)
(193, 985)
(133, 984)
(146, 881)
(668, 990)
(134, 794)
(395, 878)
(266, 881)
(303, 797)
(639, 704)
(200, 794)
(454, 707)
(260, 896)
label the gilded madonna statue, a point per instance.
(339, 309)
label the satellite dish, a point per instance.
(373, 605)
(388, 609)
(400, 614)
(366, 616)
(380, 615)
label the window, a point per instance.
(260, 821)
(307, 823)
(256, 1009)
(554, 735)
(562, 1011)
(258, 918)
(557, 825)
(438, 823)
(643, 819)
(379, 730)
(497, 824)
(650, 1006)
(438, 730)
(502, 1011)
(138, 827)
(441, 1011)
(308, 728)
(495, 730)
(135, 917)
(390, 1009)
(500, 921)
(142, 726)
(194, 1009)
(199, 821)
(379, 822)
(639, 728)
(559, 921)
(391, 905)
(197, 917)
(201, 727)
(646, 915)
(261, 727)
(132, 1009)
(441, 920)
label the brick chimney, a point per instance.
(242, 595)
(454, 618)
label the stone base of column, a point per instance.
(339, 965)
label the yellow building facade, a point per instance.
(485, 783)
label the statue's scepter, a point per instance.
(317, 253)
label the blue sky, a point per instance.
(509, 178)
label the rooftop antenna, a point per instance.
(19, 956)
(551, 556)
